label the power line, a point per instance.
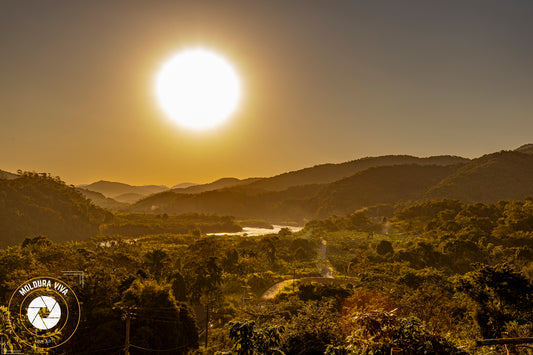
(93, 351)
(160, 350)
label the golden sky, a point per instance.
(322, 82)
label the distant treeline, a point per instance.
(136, 225)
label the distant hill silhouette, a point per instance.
(526, 148)
(36, 204)
(183, 185)
(507, 175)
(319, 174)
(236, 201)
(215, 185)
(115, 189)
(372, 186)
(101, 201)
(493, 177)
(7, 175)
(327, 173)
(129, 197)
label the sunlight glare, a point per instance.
(198, 89)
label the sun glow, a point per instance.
(198, 89)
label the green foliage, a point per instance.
(312, 329)
(284, 232)
(412, 337)
(39, 241)
(158, 262)
(380, 298)
(159, 322)
(384, 247)
(10, 342)
(356, 221)
(251, 340)
(206, 279)
(303, 249)
(373, 327)
(317, 292)
(501, 296)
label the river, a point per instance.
(252, 232)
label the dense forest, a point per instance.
(430, 278)
(36, 203)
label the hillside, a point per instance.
(386, 184)
(114, 189)
(241, 202)
(36, 204)
(507, 175)
(101, 201)
(376, 185)
(328, 173)
(215, 185)
(526, 148)
(493, 177)
(183, 185)
(129, 197)
(7, 175)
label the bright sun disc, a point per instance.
(198, 89)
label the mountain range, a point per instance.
(121, 192)
(319, 174)
(323, 190)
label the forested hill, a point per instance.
(116, 190)
(37, 204)
(386, 184)
(507, 175)
(215, 185)
(100, 200)
(498, 176)
(526, 148)
(328, 173)
(245, 203)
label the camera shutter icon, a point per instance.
(44, 312)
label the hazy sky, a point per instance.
(323, 81)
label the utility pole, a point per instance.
(206, 323)
(293, 278)
(245, 297)
(127, 341)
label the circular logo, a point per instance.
(45, 312)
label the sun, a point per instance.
(198, 89)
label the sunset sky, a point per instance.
(322, 81)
